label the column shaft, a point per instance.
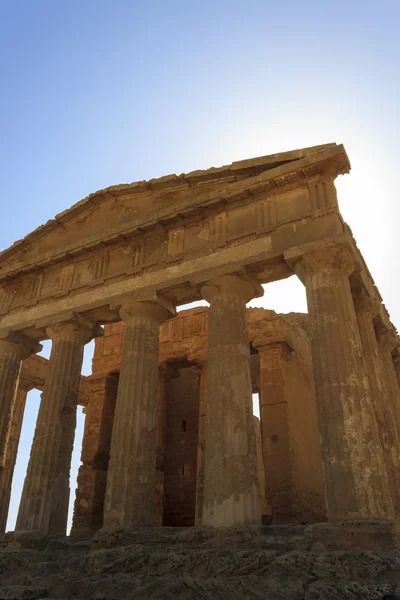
(131, 479)
(12, 351)
(355, 476)
(45, 496)
(230, 481)
(388, 433)
(387, 343)
(6, 472)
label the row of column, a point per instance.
(359, 452)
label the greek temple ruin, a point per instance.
(170, 439)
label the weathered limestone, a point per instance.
(366, 309)
(13, 349)
(396, 363)
(201, 445)
(131, 479)
(183, 451)
(290, 438)
(92, 476)
(265, 506)
(182, 403)
(355, 475)
(388, 341)
(45, 497)
(7, 471)
(230, 482)
(163, 374)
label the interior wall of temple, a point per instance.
(308, 490)
(92, 474)
(182, 402)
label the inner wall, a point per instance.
(182, 396)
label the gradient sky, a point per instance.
(95, 93)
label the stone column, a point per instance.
(13, 349)
(201, 446)
(7, 472)
(355, 476)
(396, 362)
(131, 479)
(366, 309)
(388, 341)
(96, 444)
(230, 479)
(163, 376)
(45, 496)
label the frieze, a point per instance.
(133, 256)
(176, 244)
(218, 224)
(266, 215)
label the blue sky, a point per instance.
(96, 93)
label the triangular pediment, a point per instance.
(118, 211)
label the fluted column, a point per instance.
(396, 362)
(388, 341)
(355, 476)
(366, 309)
(13, 349)
(6, 472)
(230, 478)
(131, 478)
(45, 496)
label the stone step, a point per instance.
(210, 588)
(345, 566)
(21, 592)
(324, 562)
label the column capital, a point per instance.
(18, 345)
(156, 308)
(333, 253)
(240, 286)
(387, 339)
(366, 305)
(75, 329)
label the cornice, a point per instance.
(263, 175)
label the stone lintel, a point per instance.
(275, 331)
(252, 252)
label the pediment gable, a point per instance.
(119, 211)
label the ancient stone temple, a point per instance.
(182, 491)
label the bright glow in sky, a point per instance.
(96, 93)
